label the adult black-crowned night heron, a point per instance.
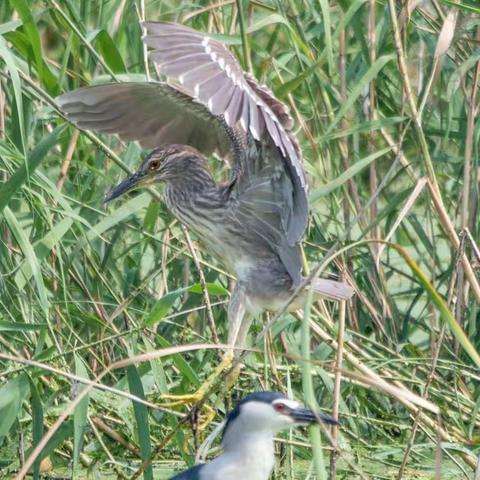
(254, 222)
(248, 448)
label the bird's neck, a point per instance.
(248, 455)
(197, 179)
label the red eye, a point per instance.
(279, 407)
(154, 164)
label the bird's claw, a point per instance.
(196, 397)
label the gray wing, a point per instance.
(208, 72)
(264, 204)
(152, 113)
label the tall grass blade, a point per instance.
(141, 417)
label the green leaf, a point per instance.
(468, 8)
(126, 209)
(108, 50)
(61, 435)
(37, 424)
(42, 250)
(6, 54)
(288, 87)
(6, 326)
(35, 157)
(151, 216)
(12, 395)
(25, 13)
(162, 307)
(291, 85)
(212, 289)
(9, 26)
(368, 126)
(357, 167)
(272, 19)
(158, 370)
(80, 414)
(328, 35)
(27, 250)
(187, 371)
(141, 417)
(359, 87)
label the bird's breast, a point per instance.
(256, 465)
(219, 232)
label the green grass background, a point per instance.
(83, 285)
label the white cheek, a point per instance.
(292, 404)
(281, 422)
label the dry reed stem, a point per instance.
(336, 388)
(68, 159)
(373, 180)
(203, 285)
(114, 435)
(416, 419)
(402, 214)
(452, 234)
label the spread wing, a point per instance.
(213, 106)
(151, 113)
(265, 204)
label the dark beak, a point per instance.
(131, 182)
(307, 416)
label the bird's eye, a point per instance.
(154, 164)
(280, 407)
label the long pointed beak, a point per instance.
(128, 184)
(307, 416)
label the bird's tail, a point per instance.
(332, 290)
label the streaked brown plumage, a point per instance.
(252, 224)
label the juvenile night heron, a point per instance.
(254, 222)
(248, 448)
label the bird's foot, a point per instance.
(199, 395)
(232, 377)
(207, 413)
(204, 418)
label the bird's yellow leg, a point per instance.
(195, 397)
(238, 323)
(205, 418)
(207, 414)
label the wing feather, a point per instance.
(233, 110)
(210, 86)
(219, 101)
(152, 113)
(254, 121)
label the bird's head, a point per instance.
(270, 411)
(169, 163)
